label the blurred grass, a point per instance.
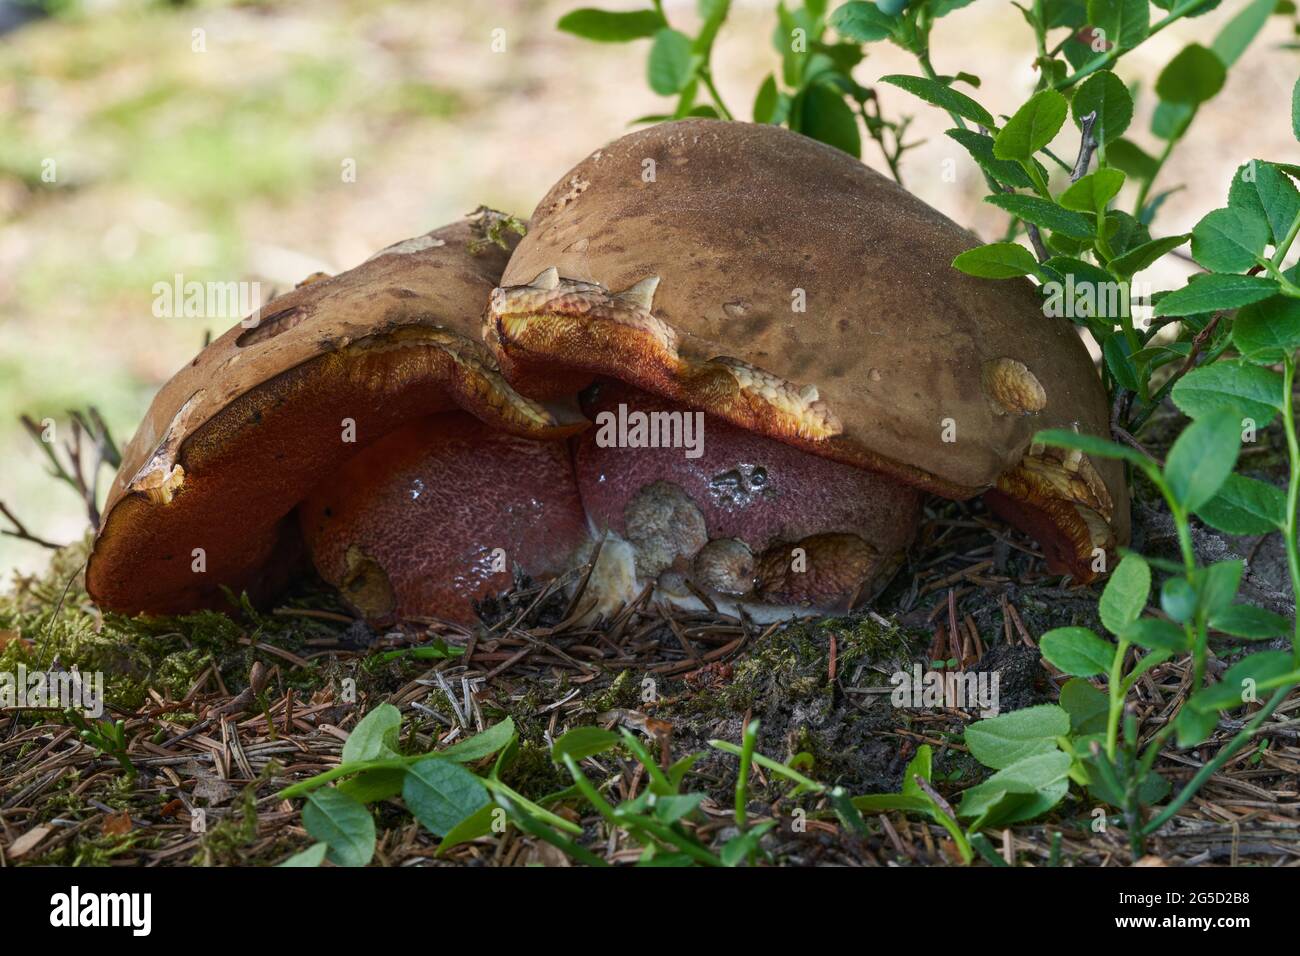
(164, 157)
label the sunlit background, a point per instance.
(221, 155)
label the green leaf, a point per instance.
(1209, 293)
(605, 26)
(1001, 741)
(1091, 287)
(1121, 23)
(882, 802)
(847, 813)
(1092, 445)
(1126, 155)
(672, 63)
(1197, 10)
(997, 260)
(1242, 193)
(1105, 94)
(1218, 584)
(1145, 255)
(341, 823)
(1193, 726)
(1145, 663)
(1152, 789)
(1156, 634)
(1178, 598)
(1086, 705)
(941, 8)
(767, 101)
(481, 745)
(1163, 353)
(1044, 213)
(1248, 391)
(863, 22)
(440, 794)
(375, 735)
(1004, 171)
(1125, 232)
(1170, 120)
(999, 808)
(1203, 457)
(1125, 595)
(1126, 22)
(1084, 273)
(1115, 350)
(1254, 623)
(672, 807)
(1041, 774)
(944, 97)
(1229, 240)
(372, 785)
(1092, 193)
(1077, 651)
(921, 765)
(583, 742)
(825, 116)
(1240, 680)
(1233, 39)
(1279, 200)
(314, 855)
(1295, 110)
(508, 798)
(739, 848)
(1193, 76)
(678, 770)
(1032, 126)
(1245, 506)
(478, 824)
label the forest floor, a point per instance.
(223, 710)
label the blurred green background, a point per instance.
(210, 140)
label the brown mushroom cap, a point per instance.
(237, 438)
(898, 362)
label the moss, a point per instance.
(98, 850)
(224, 842)
(533, 773)
(793, 664)
(56, 621)
(623, 692)
(492, 227)
(63, 800)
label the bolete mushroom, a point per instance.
(775, 360)
(300, 425)
(808, 307)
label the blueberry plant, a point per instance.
(458, 804)
(1223, 347)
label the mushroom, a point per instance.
(807, 307)
(362, 415)
(735, 357)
